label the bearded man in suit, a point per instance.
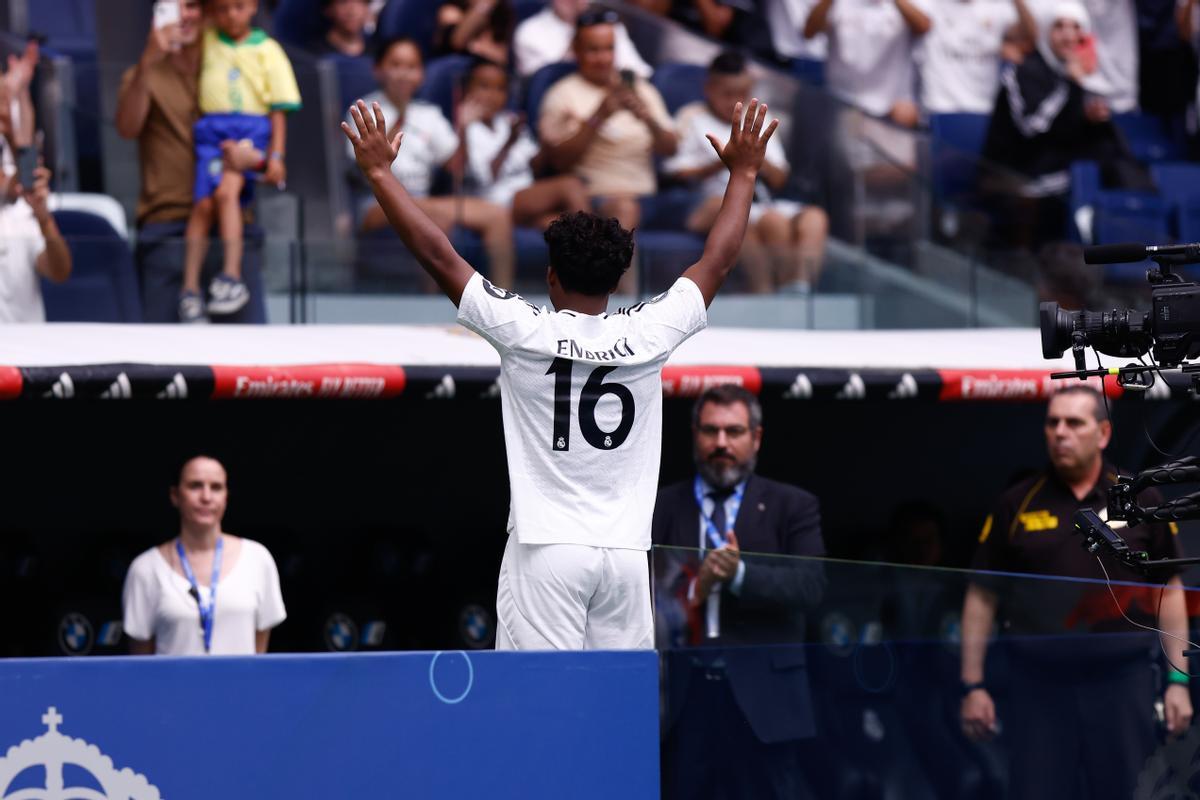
(738, 703)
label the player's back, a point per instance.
(582, 405)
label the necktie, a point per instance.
(719, 496)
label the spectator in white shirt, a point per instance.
(430, 143)
(960, 56)
(547, 37)
(785, 243)
(1114, 26)
(503, 158)
(204, 592)
(31, 246)
(870, 61)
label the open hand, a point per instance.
(747, 145)
(373, 151)
(20, 71)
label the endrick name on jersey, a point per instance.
(571, 349)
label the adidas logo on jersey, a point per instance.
(63, 388)
(119, 389)
(177, 389)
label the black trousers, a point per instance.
(711, 752)
(1078, 736)
(159, 257)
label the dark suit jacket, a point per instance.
(763, 627)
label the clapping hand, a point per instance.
(747, 145)
(719, 566)
(373, 151)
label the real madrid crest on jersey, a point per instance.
(35, 769)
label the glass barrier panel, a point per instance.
(831, 676)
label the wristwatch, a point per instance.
(966, 688)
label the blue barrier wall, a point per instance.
(412, 725)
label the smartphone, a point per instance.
(627, 77)
(166, 12)
(1086, 51)
(27, 161)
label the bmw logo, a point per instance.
(75, 634)
(341, 634)
(838, 634)
(475, 626)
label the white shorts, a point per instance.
(573, 597)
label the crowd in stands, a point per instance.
(1051, 73)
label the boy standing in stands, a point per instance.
(784, 246)
(502, 159)
(246, 89)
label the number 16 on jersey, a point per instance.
(593, 389)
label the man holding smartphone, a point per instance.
(158, 105)
(606, 125)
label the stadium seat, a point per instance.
(1149, 137)
(956, 140)
(1129, 217)
(443, 81)
(679, 84)
(663, 255)
(532, 254)
(1115, 216)
(103, 285)
(669, 209)
(355, 78)
(1179, 185)
(100, 205)
(68, 25)
(524, 9)
(415, 19)
(540, 82)
(299, 23)
(1187, 219)
(809, 70)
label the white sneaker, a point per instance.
(227, 295)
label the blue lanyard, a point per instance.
(207, 610)
(733, 506)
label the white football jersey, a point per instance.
(581, 399)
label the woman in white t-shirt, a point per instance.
(205, 591)
(503, 159)
(430, 143)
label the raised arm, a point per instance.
(743, 156)
(374, 155)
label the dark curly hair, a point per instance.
(589, 253)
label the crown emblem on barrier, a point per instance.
(51, 752)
